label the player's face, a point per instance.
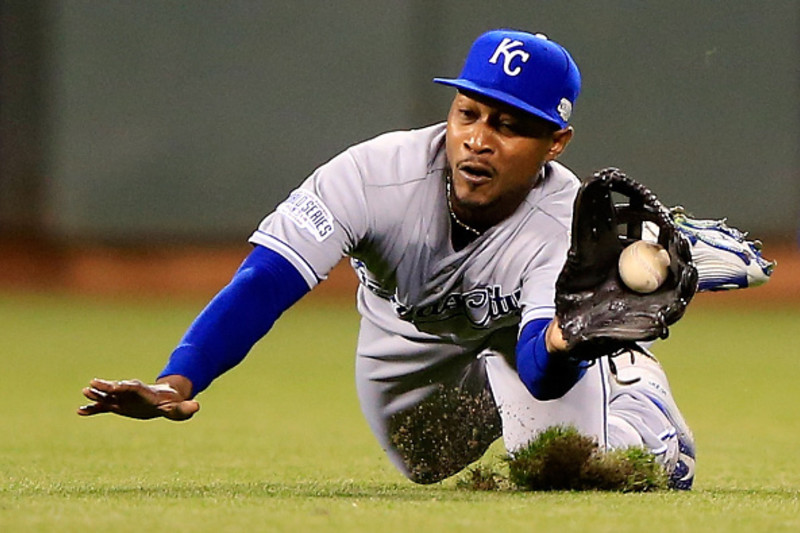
(495, 153)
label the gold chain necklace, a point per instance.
(453, 214)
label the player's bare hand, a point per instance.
(135, 399)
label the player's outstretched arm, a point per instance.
(220, 337)
(132, 398)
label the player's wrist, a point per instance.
(181, 384)
(554, 338)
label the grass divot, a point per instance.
(561, 458)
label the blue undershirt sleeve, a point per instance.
(265, 286)
(546, 376)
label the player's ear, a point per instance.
(561, 139)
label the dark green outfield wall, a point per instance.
(191, 119)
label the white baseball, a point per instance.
(643, 266)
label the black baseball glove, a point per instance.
(598, 314)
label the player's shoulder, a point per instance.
(404, 155)
(401, 139)
(560, 180)
(551, 202)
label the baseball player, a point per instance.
(457, 233)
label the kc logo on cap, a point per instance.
(524, 70)
(508, 55)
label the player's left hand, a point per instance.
(135, 399)
(598, 314)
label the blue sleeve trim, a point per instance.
(546, 377)
(265, 286)
(294, 252)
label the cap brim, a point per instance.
(499, 96)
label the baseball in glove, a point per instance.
(598, 314)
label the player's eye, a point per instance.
(508, 126)
(524, 128)
(466, 113)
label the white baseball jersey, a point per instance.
(435, 358)
(383, 203)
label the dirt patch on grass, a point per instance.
(168, 271)
(194, 271)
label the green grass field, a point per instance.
(280, 445)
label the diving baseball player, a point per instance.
(457, 233)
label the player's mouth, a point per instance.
(475, 172)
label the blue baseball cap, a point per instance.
(524, 70)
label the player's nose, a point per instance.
(479, 139)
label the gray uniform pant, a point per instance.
(436, 407)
